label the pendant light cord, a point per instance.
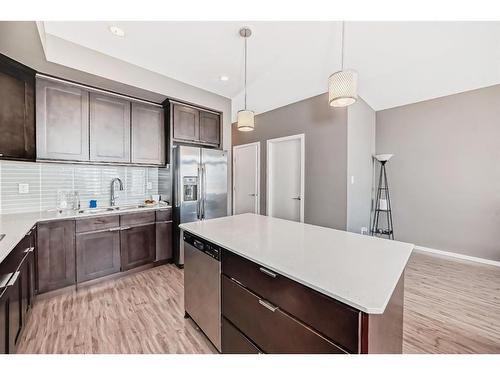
(246, 72)
(342, 63)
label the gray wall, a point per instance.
(360, 150)
(445, 175)
(325, 155)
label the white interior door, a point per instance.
(285, 177)
(246, 178)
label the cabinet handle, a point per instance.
(267, 272)
(14, 278)
(124, 228)
(29, 250)
(267, 305)
(114, 229)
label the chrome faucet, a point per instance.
(113, 197)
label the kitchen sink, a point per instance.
(110, 209)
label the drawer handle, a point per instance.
(114, 229)
(124, 228)
(267, 272)
(267, 305)
(29, 250)
(14, 278)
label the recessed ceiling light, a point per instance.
(224, 78)
(115, 30)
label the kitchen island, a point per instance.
(290, 287)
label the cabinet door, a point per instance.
(137, 246)
(17, 110)
(56, 255)
(186, 122)
(97, 254)
(148, 134)
(109, 128)
(164, 240)
(209, 128)
(4, 305)
(15, 310)
(62, 121)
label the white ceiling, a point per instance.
(398, 62)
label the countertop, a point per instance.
(358, 270)
(15, 226)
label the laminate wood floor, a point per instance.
(450, 307)
(139, 313)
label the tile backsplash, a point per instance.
(48, 180)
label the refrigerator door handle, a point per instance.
(178, 185)
(204, 181)
(200, 194)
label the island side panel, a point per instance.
(383, 333)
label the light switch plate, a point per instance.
(24, 188)
(149, 185)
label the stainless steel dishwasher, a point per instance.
(202, 286)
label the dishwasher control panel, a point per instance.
(208, 248)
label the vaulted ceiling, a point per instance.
(398, 62)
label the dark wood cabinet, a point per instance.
(148, 134)
(17, 110)
(209, 128)
(4, 323)
(186, 123)
(97, 254)
(195, 125)
(62, 121)
(109, 128)
(138, 244)
(268, 326)
(164, 248)
(235, 342)
(56, 255)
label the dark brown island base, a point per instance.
(264, 312)
(294, 288)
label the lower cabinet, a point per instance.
(16, 294)
(56, 255)
(97, 254)
(4, 323)
(235, 342)
(164, 240)
(138, 244)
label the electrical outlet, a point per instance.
(24, 188)
(364, 230)
(149, 185)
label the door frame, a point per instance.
(257, 174)
(269, 145)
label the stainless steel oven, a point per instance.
(202, 286)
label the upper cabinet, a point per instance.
(62, 121)
(109, 128)
(17, 110)
(148, 134)
(79, 123)
(209, 127)
(195, 125)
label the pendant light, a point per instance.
(246, 118)
(343, 85)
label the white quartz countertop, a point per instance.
(360, 271)
(15, 226)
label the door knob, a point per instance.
(252, 195)
(296, 198)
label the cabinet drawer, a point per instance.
(164, 215)
(137, 218)
(333, 319)
(234, 342)
(273, 330)
(97, 223)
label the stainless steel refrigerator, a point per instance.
(199, 189)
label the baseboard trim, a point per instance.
(458, 256)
